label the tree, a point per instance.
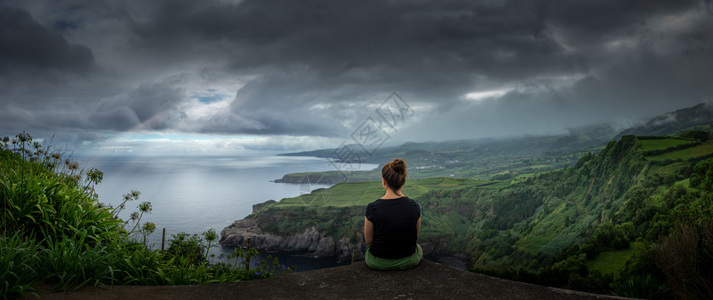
(696, 135)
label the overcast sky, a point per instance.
(262, 74)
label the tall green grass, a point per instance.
(53, 229)
(19, 259)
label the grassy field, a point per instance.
(685, 153)
(365, 192)
(362, 175)
(475, 160)
(647, 145)
(612, 262)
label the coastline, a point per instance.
(314, 243)
(266, 233)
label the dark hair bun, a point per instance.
(394, 172)
(398, 166)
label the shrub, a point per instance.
(189, 247)
(642, 287)
(686, 259)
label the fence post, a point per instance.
(163, 238)
(247, 258)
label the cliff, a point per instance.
(494, 225)
(310, 240)
(259, 206)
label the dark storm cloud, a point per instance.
(39, 67)
(26, 45)
(433, 50)
(336, 51)
(51, 85)
(150, 106)
(601, 17)
(318, 67)
(295, 102)
(384, 39)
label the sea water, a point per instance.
(195, 193)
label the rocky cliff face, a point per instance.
(310, 240)
(259, 206)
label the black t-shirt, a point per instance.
(395, 229)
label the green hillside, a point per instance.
(699, 117)
(484, 159)
(365, 192)
(570, 228)
(688, 153)
(662, 143)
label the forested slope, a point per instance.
(555, 228)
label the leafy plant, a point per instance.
(54, 230)
(18, 265)
(210, 236)
(642, 287)
(71, 263)
(188, 247)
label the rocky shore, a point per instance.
(310, 240)
(319, 244)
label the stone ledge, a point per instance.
(429, 280)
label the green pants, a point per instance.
(384, 264)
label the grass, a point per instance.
(612, 262)
(666, 170)
(647, 145)
(18, 263)
(53, 230)
(364, 192)
(685, 153)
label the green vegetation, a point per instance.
(632, 218)
(697, 135)
(603, 257)
(687, 153)
(614, 261)
(657, 144)
(54, 230)
(603, 225)
(362, 193)
(475, 159)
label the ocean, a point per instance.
(195, 193)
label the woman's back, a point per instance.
(395, 226)
(392, 223)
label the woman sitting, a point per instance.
(392, 224)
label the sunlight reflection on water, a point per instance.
(193, 194)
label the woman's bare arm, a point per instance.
(368, 231)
